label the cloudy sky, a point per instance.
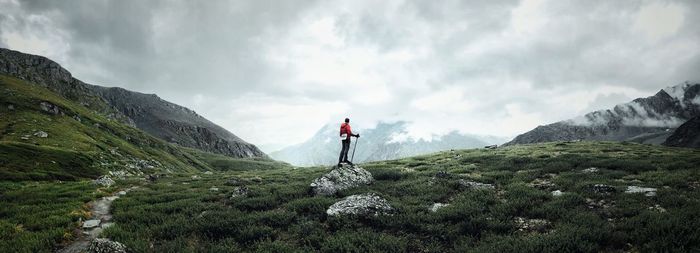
(273, 72)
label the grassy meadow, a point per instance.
(182, 214)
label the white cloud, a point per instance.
(659, 20)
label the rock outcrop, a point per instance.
(686, 135)
(362, 204)
(341, 178)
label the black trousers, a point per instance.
(344, 151)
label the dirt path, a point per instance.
(101, 219)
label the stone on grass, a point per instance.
(49, 108)
(240, 191)
(532, 225)
(91, 224)
(557, 193)
(233, 182)
(437, 206)
(475, 185)
(649, 192)
(103, 245)
(195, 177)
(341, 178)
(603, 189)
(121, 193)
(361, 204)
(214, 189)
(208, 173)
(542, 184)
(105, 181)
(590, 170)
(41, 134)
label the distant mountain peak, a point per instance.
(667, 109)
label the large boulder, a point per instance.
(361, 204)
(341, 178)
(101, 245)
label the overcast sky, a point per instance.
(274, 72)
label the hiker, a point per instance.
(345, 134)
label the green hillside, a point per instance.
(81, 143)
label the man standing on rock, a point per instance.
(345, 134)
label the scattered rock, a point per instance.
(121, 193)
(103, 245)
(590, 170)
(256, 179)
(233, 182)
(105, 181)
(600, 204)
(557, 193)
(657, 208)
(603, 189)
(437, 206)
(532, 225)
(240, 191)
(24, 137)
(361, 204)
(475, 185)
(542, 184)
(91, 224)
(41, 134)
(11, 107)
(119, 173)
(442, 175)
(341, 178)
(195, 177)
(152, 177)
(649, 192)
(50, 108)
(491, 146)
(208, 173)
(214, 189)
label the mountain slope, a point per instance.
(647, 119)
(687, 135)
(175, 123)
(385, 141)
(149, 113)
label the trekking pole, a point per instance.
(353, 149)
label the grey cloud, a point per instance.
(219, 49)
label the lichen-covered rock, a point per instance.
(341, 178)
(41, 134)
(102, 245)
(649, 192)
(361, 204)
(105, 181)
